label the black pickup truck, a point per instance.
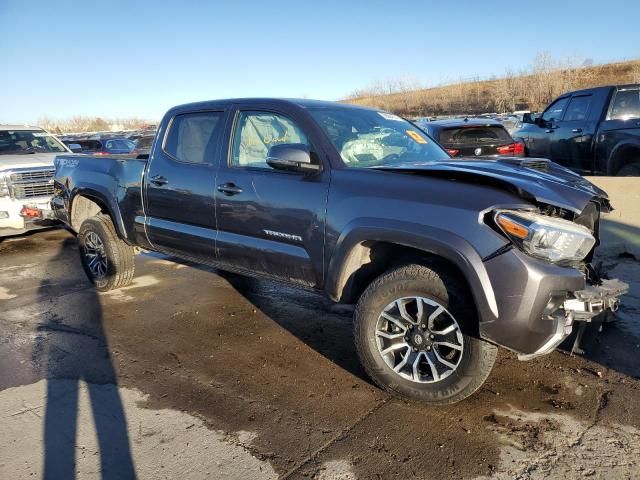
(592, 132)
(444, 258)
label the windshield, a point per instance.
(367, 138)
(28, 141)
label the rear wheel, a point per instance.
(107, 260)
(415, 331)
(630, 170)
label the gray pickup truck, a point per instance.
(444, 258)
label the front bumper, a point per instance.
(538, 303)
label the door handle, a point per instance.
(159, 180)
(577, 130)
(229, 189)
(549, 130)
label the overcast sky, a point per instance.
(127, 58)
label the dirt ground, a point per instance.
(191, 373)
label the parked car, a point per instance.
(474, 137)
(593, 132)
(445, 259)
(143, 145)
(26, 178)
(103, 146)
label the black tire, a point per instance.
(120, 257)
(445, 288)
(629, 170)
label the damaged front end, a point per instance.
(592, 304)
(542, 278)
(552, 285)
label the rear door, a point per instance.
(572, 135)
(619, 130)
(269, 221)
(180, 183)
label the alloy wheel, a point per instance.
(95, 255)
(419, 339)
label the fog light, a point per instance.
(4, 214)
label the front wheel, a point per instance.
(107, 260)
(416, 335)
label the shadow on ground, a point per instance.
(70, 349)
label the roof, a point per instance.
(300, 102)
(19, 127)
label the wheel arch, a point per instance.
(364, 252)
(86, 203)
(623, 154)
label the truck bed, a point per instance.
(115, 184)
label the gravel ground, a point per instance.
(192, 373)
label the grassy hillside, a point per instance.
(531, 89)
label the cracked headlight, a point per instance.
(553, 239)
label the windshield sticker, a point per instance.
(416, 136)
(39, 134)
(389, 116)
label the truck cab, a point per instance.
(593, 132)
(26, 177)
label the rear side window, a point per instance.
(555, 111)
(474, 136)
(578, 108)
(626, 105)
(192, 137)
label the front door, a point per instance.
(540, 134)
(270, 221)
(180, 184)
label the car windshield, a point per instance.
(28, 141)
(368, 138)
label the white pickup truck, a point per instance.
(26, 177)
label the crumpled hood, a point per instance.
(28, 160)
(542, 180)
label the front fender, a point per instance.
(428, 239)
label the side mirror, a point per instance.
(526, 118)
(75, 147)
(291, 157)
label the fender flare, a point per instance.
(428, 239)
(103, 196)
(613, 164)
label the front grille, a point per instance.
(33, 190)
(32, 183)
(32, 176)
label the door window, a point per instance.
(193, 137)
(256, 132)
(626, 105)
(578, 108)
(555, 111)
